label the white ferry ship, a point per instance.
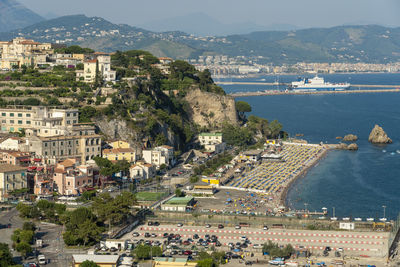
(317, 84)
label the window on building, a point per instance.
(45, 144)
(11, 114)
(68, 122)
(54, 143)
(3, 114)
(4, 121)
(69, 183)
(69, 151)
(54, 153)
(45, 153)
(19, 122)
(28, 115)
(74, 121)
(61, 152)
(19, 115)
(68, 114)
(28, 122)
(11, 121)
(62, 143)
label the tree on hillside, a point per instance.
(88, 263)
(181, 69)
(275, 128)
(242, 107)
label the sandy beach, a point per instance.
(274, 178)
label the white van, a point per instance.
(42, 259)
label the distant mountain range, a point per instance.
(201, 24)
(367, 43)
(13, 15)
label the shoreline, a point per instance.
(301, 174)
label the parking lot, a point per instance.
(250, 240)
(235, 201)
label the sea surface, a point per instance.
(354, 184)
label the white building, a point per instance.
(142, 171)
(159, 155)
(210, 138)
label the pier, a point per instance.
(288, 92)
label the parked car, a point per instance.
(180, 224)
(135, 234)
(208, 225)
(220, 226)
(237, 227)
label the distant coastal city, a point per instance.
(222, 66)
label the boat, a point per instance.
(277, 261)
(370, 219)
(317, 84)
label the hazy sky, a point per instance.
(303, 13)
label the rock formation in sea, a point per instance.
(378, 136)
(353, 146)
(344, 146)
(350, 138)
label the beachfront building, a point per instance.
(11, 178)
(70, 177)
(159, 156)
(250, 155)
(101, 260)
(172, 262)
(142, 170)
(178, 204)
(21, 51)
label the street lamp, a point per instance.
(384, 211)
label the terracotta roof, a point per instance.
(68, 162)
(168, 147)
(59, 171)
(91, 61)
(11, 168)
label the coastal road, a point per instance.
(353, 243)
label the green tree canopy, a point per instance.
(6, 258)
(74, 49)
(88, 263)
(242, 107)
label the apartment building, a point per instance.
(103, 64)
(210, 138)
(11, 178)
(21, 51)
(15, 158)
(55, 148)
(115, 154)
(159, 156)
(70, 178)
(40, 121)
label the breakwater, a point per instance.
(288, 92)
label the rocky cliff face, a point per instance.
(378, 136)
(211, 110)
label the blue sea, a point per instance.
(355, 184)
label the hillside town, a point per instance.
(108, 160)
